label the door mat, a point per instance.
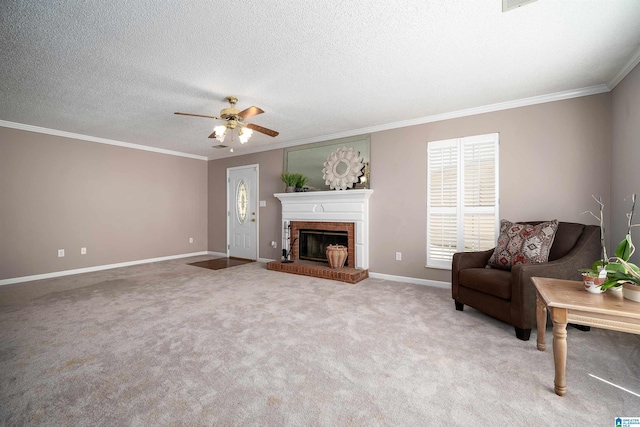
(220, 263)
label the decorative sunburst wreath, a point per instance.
(343, 168)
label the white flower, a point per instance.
(343, 168)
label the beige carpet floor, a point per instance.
(173, 344)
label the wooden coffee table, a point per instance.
(568, 302)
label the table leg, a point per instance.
(559, 317)
(541, 321)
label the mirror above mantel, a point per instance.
(309, 160)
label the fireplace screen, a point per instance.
(312, 244)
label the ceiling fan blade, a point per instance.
(198, 115)
(213, 135)
(262, 130)
(250, 112)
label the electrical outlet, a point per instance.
(83, 251)
(190, 239)
(60, 253)
(398, 256)
(274, 244)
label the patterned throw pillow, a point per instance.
(523, 244)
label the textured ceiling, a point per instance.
(320, 69)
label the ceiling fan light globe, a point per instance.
(244, 134)
(220, 132)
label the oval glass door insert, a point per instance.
(242, 202)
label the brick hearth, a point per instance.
(318, 269)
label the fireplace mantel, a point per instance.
(330, 206)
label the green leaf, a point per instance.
(609, 283)
(624, 249)
(613, 267)
(617, 276)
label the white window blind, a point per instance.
(462, 197)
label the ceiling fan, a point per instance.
(235, 120)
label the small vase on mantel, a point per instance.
(336, 255)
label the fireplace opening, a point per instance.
(312, 244)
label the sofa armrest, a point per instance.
(583, 254)
(464, 260)
(523, 292)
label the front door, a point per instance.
(242, 213)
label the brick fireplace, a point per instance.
(349, 227)
(327, 210)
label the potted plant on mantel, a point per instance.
(301, 181)
(619, 271)
(294, 181)
(290, 180)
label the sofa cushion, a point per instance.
(487, 280)
(523, 244)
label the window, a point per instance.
(462, 197)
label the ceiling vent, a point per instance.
(220, 146)
(507, 5)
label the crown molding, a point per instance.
(635, 60)
(88, 138)
(541, 99)
(558, 96)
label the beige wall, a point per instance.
(121, 204)
(269, 217)
(125, 205)
(553, 157)
(625, 158)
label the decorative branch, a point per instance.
(630, 223)
(618, 269)
(601, 219)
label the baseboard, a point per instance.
(412, 280)
(218, 254)
(390, 277)
(97, 268)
